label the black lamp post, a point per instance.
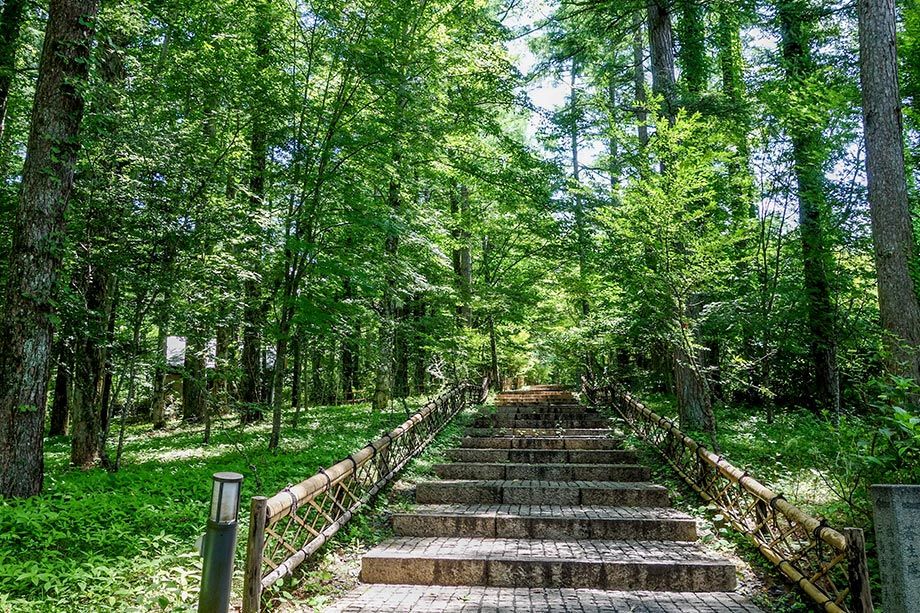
(219, 544)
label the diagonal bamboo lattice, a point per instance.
(289, 527)
(821, 561)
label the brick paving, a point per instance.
(541, 509)
(439, 599)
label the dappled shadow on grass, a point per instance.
(154, 508)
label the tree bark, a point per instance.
(693, 58)
(60, 406)
(641, 99)
(35, 257)
(892, 229)
(11, 20)
(158, 404)
(296, 371)
(384, 373)
(350, 351)
(661, 45)
(194, 378)
(795, 17)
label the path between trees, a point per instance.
(541, 509)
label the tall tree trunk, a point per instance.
(158, 404)
(194, 377)
(88, 414)
(420, 376)
(35, 257)
(60, 406)
(384, 373)
(693, 59)
(661, 46)
(296, 370)
(251, 381)
(581, 236)
(11, 20)
(795, 19)
(350, 350)
(892, 230)
(401, 346)
(641, 99)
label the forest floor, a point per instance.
(97, 541)
(125, 541)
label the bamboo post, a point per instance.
(860, 592)
(255, 544)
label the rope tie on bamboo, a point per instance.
(822, 524)
(354, 465)
(293, 498)
(776, 499)
(373, 449)
(322, 471)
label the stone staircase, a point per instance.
(541, 509)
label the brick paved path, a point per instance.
(542, 510)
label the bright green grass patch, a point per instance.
(96, 541)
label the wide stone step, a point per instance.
(567, 409)
(544, 472)
(568, 493)
(544, 456)
(541, 442)
(601, 564)
(541, 432)
(546, 522)
(574, 422)
(371, 598)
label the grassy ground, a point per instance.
(95, 541)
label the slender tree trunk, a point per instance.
(250, 384)
(401, 362)
(88, 407)
(60, 407)
(158, 404)
(384, 373)
(693, 59)
(795, 17)
(641, 99)
(296, 371)
(278, 379)
(35, 257)
(421, 368)
(11, 20)
(892, 229)
(194, 377)
(350, 351)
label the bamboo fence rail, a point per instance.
(821, 561)
(289, 527)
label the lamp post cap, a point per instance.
(228, 477)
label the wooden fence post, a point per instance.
(860, 592)
(252, 573)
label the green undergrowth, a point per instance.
(125, 541)
(334, 570)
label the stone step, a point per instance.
(601, 564)
(567, 493)
(567, 422)
(546, 522)
(543, 472)
(541, 442)
(563, 409)
(371, 598)
(541, 432)
(544, 456)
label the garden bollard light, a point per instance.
(219, 544)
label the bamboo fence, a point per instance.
(286, 529)
(828, 566)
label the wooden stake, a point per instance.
(860, 591)
(255, 544)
